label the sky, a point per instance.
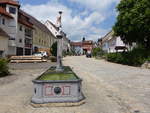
(91, 19)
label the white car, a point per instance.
(38, 54)
(41, 54)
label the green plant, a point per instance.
(148, 59)
(53, 59)
(71, 52)
(136, 57)
(64, 53)
(54, 49)
(3, 67)
(97, 52)
(133, 20)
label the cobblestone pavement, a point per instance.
(108, 87)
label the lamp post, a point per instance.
(59, 36)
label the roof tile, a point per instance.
(9, 2)
(3, 12)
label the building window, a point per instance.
(12, 38)
(12, 10)
(28, 32)
(3, 21)
(20, 40)
(20, 28)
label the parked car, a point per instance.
(44, 53)
(88, 54)
(41, 54)
(38, 54)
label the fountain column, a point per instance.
(59, 36)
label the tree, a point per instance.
(54, 49)
(4, 70)
(133, 22)
(97, 52)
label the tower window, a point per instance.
(12, 10)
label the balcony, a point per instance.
(28, 33)
(28, 43)
(28, 46)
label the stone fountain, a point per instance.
(59, 85)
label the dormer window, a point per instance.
(12, 10)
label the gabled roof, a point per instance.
(23, 19)
(76, 43)
(107, 36)
(57, 29)
(3, 12)
(82, 43)
(37, 23)
(53, 25)
(11, 2)
(87, 42)
(3, 33)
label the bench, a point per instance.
(26, 59)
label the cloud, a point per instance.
(46, 11)
(99, 5)
(77, 26)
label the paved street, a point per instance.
(127, 88)
(108, 87)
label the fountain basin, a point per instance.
(57, 87)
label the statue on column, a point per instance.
(58, 22)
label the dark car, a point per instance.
(88, 54)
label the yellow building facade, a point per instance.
(42, 36)
(42, 39)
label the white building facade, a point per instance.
(54, 30)
(9, 25)
(17, 27)
(111, 43)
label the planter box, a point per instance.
(53, 87)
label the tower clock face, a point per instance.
(57, 90)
